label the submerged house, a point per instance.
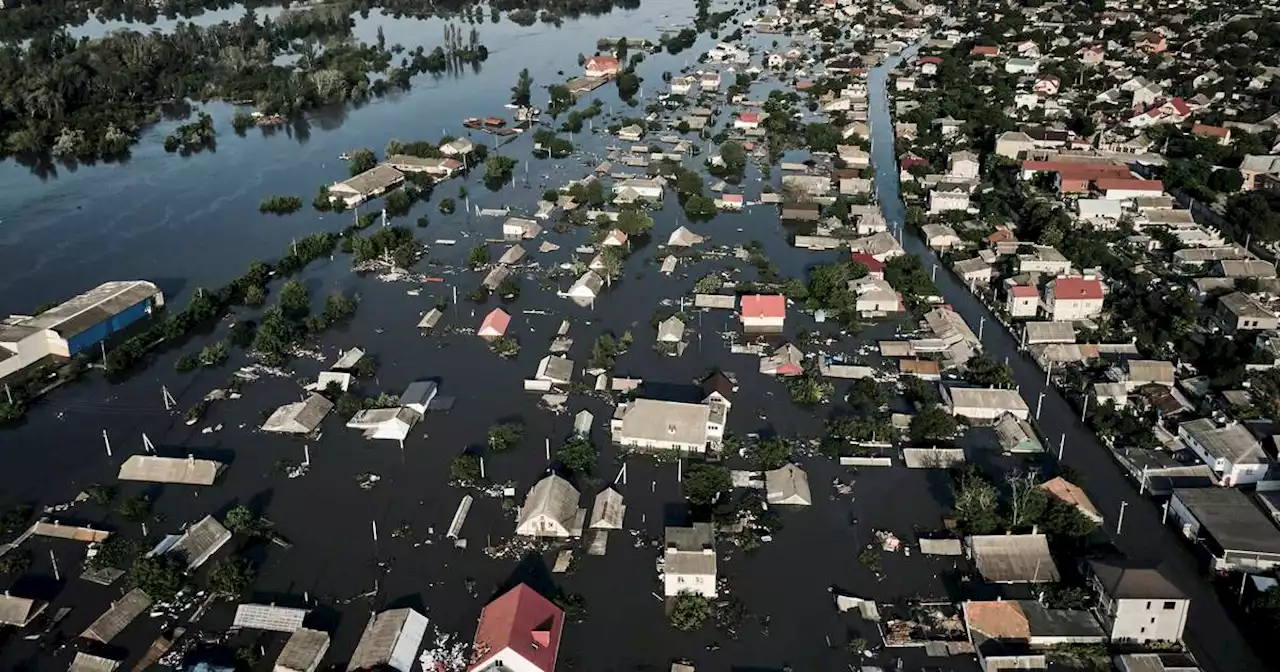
(788, 485)
(372, 183)
(300, 417)
(197, 544)
(551, 510)
(494, 325)
(390, 641)
(608, 510)
(670, 425)
(519, 631)
(181, 470)
(689, 561)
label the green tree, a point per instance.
(770, 453)
(465, 470)
(932, 423)
(505, 436)
(867, 396)
(361, 160)
(338, 308)
(917, 390)
(690, 611)
(255, 296)
(578, 455)
(159, 576)
(294, 302)
(478, 256)
(242, 520)
(634, 223)
(984, 371)
(520, 93)
(498, 168)
(101, 495)
(231, 577)
(703, 483)
(136, 508)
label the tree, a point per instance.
(447, 206)
(703, 483)
(708, 284)
(498, 168)
(361, 160)
(867, 396)
(478, 256)
(255, 296)
(734, 156)
(231, 577)
(690, 611)
(977, 503)
(771, 453)
(987, 372)
(505, 436)
(520, 93)
(634, 223)
(809, 389)
(821, 137)
(241, 520)
(561, 99)
(338, 308)
(159, 576)
(294, 302)
(101, 495)
(136, 508)
(932, 423)
(578, 455)
(465, 470)
(1027, 500)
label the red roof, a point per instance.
(1077, 170)
(764, 305)
(985, 51)
(520, 622)
(1129, 183)
(931, 59)
(873, 265)
(495, 323)
(451, 164)
(1069, 289)
(749, 117)
(907, 161)
(1180, 106)
(1023, 291)
(804, 85)
(1210, 131)
(602, 63)
(731, 198)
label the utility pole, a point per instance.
(1164, 516)
(1120, 522)
(982, 322)
(8, 393)
(106, 441)
(1062, 445)
(169, 401)
(1084, 409)
(1048, 371)
(1039, 403)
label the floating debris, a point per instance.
(367, 480)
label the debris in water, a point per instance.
(367, 480)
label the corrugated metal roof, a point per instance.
(201, 541)
(269, 617)
(85, 662)
(303, 651)
(115, 619)
(1014, 558)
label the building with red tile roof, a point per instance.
(764, 310)
(601, 66)
(1070, 298)
(985, 50)
(495, 324)
(875, 267)
(518, 631)
(1129, 187)
(1219, 133)
(1022, 301)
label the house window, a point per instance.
(1148, 605)
(1142, 630)
(1169, 605)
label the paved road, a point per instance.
(1210, 635)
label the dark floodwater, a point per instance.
(1210, 634)
(194, 221)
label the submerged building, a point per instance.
(75, 325)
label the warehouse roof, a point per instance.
(118, 617)
(85, 662)
(1231, 519)
(156, 469)
(81, 312)
(1013, 558)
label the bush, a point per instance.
(704, 483)
(280, 205)
(465, 470)
(159, 576)
(505, 436)
(447, 206)
(690, 611)
(578, 455)
(231, 577)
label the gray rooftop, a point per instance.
(787, 485)
(300, 417)
(608, 510)
(201, 541)
(673, 421)
(303, 651)
(1243, 305)
(74, 315)
(85, 662)
(156, 469)
(376, 178)
(1049, 332)
(269, 617)
(382, 637)
(1013, 558)
(1127, 580)
(116, 618)
(1233, 443)
(19, 610)
(1231, 519)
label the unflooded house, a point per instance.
(1232, 530)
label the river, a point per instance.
(1210, 634)
(191, 221)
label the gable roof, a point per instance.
(764, 305)
(524, 622)
(1076, 289)
(1127, 580)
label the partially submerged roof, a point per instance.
(1013, 558)
(303, 651)
(116, 618)
(19, 611)
(386, 637)
(300, 417)
(788, 484)
(269, 617)
(348, 359)
(553, 497)
(183, 470)
(608, 510)
(200, 541)
(85, 662)
(690, 550)
(669, 421)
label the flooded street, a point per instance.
(189, 222)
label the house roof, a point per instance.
(749, 117)
(764, 306)
(1024, 291)
(85, 662)
(1072, 494)
(1129, 183)
(602, 62)
(553, 497)
(1210, 131)
(717, 382)
(156, 469)
(667, 421)
(200, 541)
(304, 649)
(1233, 443)
(986, 397)
(607, 510)
(1243, 305)
(300, 417)
(1150, 370)
(788, 484)
(1128, 580)
(495, 322)
(671, 329)
(521, 621)
(18, 610)
(1231, 519)
(378, 177)
(873, 265)
(1076, 289)
(382, 637)
(269, 617)
(1013, 558)
(116, 618)
(997, 619)
(419, 392)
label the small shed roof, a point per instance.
(382, 637)
(155, 469)
(300, 417)
(85, 662)
(608, 510)
(269, 617)
(19, 611)
(303, 651)
(788, 485)
(1049, 332)
(348, 359)
(430, 319)
(115, 619)
(582, 422)
(1013, 558)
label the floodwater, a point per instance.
(193, 221)
(1210, 634)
